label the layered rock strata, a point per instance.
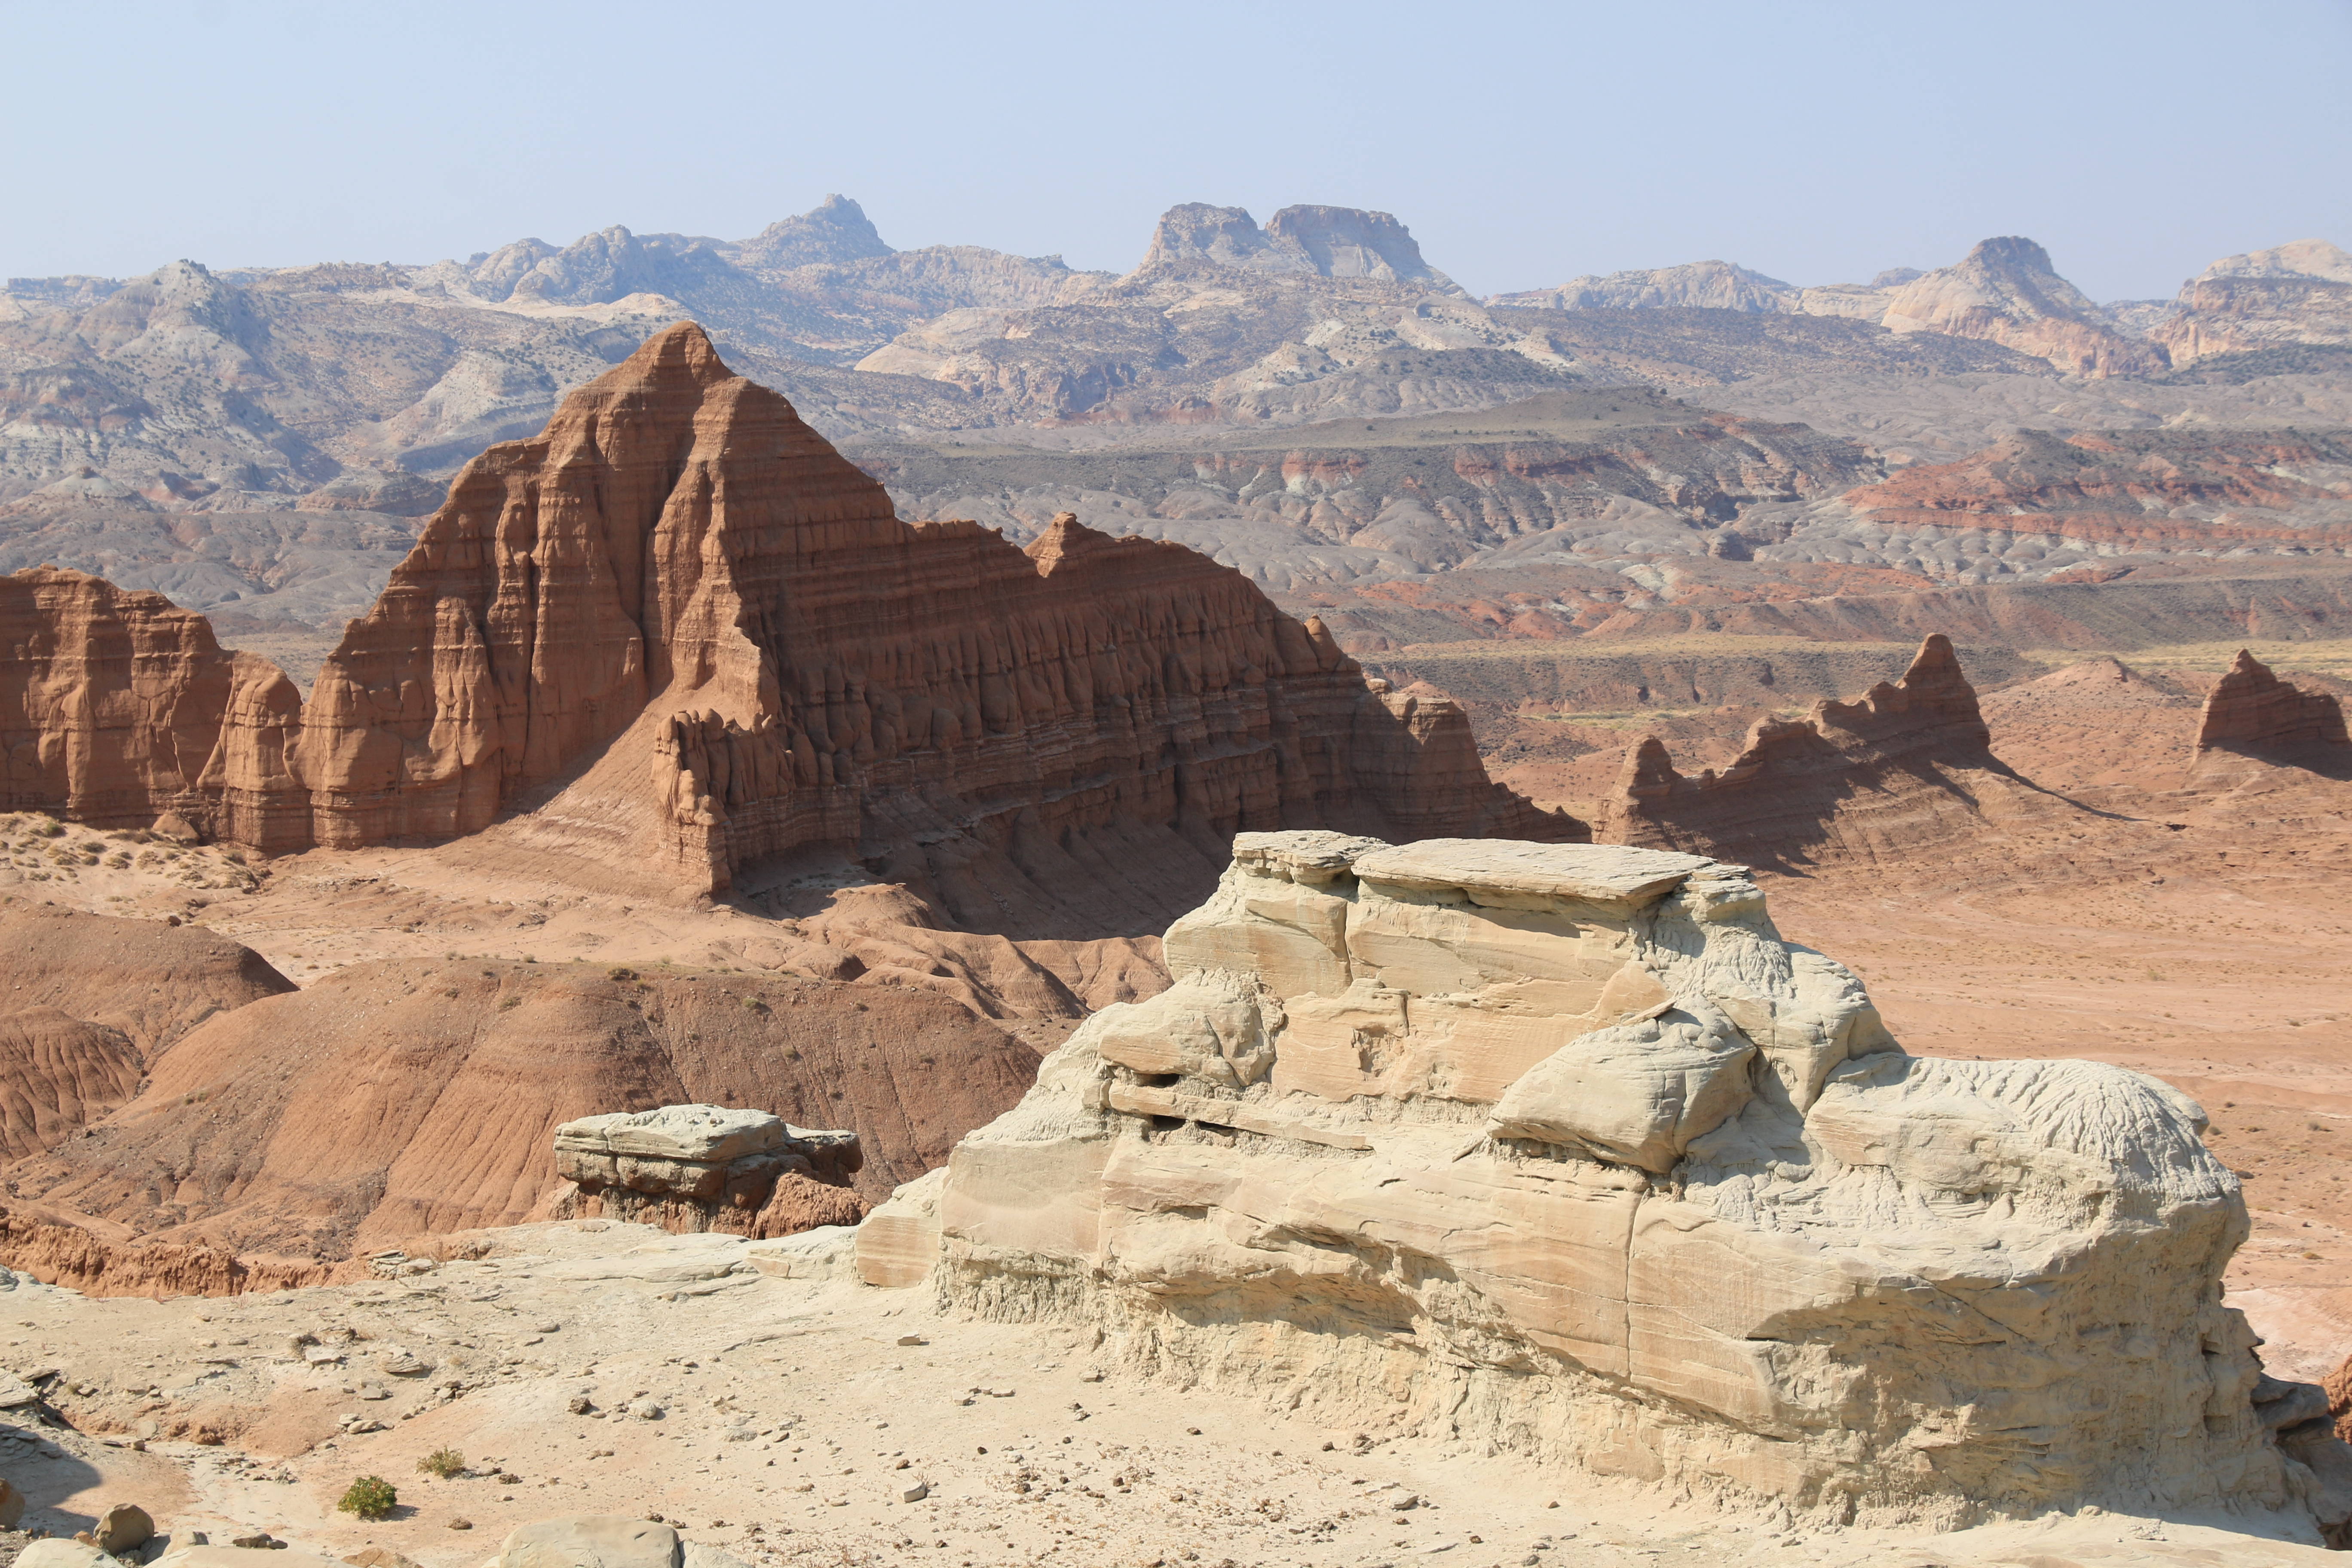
(693, 634)
(1799, 785)
(692, 1168)
(118, 708)
(1565, 1149)
(2250, 712)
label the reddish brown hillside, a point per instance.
(396, 1099)
(150, 981)
(2123, 487)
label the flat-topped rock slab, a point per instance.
(701, 1133)
(1607, 874)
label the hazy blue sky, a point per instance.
(1523, 143)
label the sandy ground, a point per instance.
(794, 1417)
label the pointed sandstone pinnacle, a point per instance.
(1783, 792)
(2251, 711)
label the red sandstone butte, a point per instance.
(2254, 713)
(677, 631)
(1854, 780)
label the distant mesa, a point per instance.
(2266, 309)
(1326, 242)
(2251, 713)
(2297, 259)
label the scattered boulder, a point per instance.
(1568, 1150)
(379, 1557)
(591, 1541)
(123, 1527)
(56, 1552)
(826, 1252)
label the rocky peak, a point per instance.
(1932, 694)
(836, 229)
(598, 268)
(1705, 285)
(677, 631)
(1065, 538)
(2008, 291)
(1787, 790)
(1328, 242)
(1349, 242)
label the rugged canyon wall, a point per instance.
(686, 626)
(1564, 1148)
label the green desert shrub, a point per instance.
(370, 1497)
(443, 1462)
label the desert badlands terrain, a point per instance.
(1282, 917)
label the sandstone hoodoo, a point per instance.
(682, 633)
(1905, 759)
(1566, 1149)
(2252, 713)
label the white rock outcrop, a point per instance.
(705, 1167)
(1566, 1149)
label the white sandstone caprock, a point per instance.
(1564, 1148)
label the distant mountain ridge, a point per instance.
(2007, 290)
(360, 387)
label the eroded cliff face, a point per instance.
(1906, 763)
(117, 706)
(1566, 1149)
(683, 632)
